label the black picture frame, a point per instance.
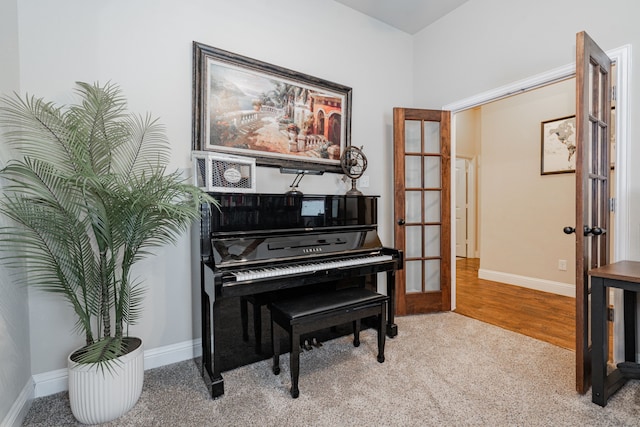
(280, 117)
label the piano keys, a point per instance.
(257, 248)
(307, 268)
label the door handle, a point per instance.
(596, 231)
(401, 221)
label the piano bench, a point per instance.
(309, 313)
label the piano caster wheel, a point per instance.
(295, 393)
(381, 359)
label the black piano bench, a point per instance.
(309, 313)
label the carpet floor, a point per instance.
(441, 369)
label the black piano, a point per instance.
(257, 248)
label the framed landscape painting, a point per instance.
(280, 117)
(558, 146)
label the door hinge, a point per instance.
(613, 93)
(610, 314)
(612, 204)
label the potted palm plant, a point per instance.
(88, 196)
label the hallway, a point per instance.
(541, 315)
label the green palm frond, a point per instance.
(88, 199)
(30, 122)
(101, 351)
(149, 150)
(132, 296)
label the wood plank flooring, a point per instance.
(541, 315)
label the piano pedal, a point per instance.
(306, 345)
(316, 343)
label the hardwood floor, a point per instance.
(541, 315)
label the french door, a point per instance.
(422, 209)
(593, 118)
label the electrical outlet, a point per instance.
(562, 264)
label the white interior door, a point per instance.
(461, 208)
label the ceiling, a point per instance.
(409, 16)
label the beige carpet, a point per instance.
(441, 370)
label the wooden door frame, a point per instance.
(621, 56)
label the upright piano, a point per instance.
(257, 248)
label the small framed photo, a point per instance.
(558, 146)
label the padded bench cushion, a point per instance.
(325, 302)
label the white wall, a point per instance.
(146, 46)
(486, 44)
(15, 369)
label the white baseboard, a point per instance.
(558, 288)
(20, 407)
(56, 381)
(51, 382)
(168, 354)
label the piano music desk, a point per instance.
(312, 312)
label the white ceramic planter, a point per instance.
(97, 395)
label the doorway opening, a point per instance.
(558, 281)
(522, 214)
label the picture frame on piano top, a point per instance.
(280, 117)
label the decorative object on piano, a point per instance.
(223, 172)
(86, 199)
(300, 173)
(281, 117)
(353, 163)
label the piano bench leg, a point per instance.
(257, 326)
(294, 362)
(356, 333)
(244, 318)
(275, 339)
(381, 335)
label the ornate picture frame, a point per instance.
(280, 117)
